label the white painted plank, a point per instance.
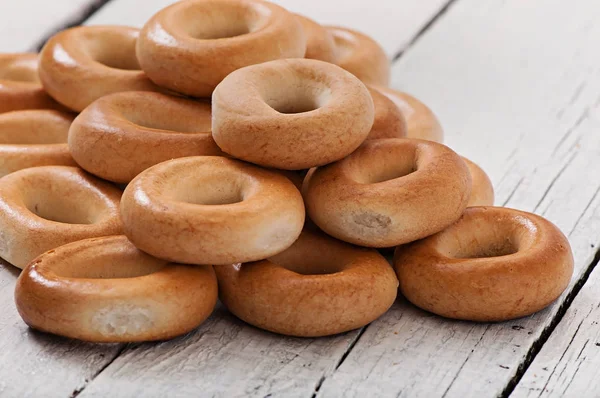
(34, 364)
(517, 90)
(518, 97)
(569, 363)
(24, 23)
(392, 23)
(223, 358)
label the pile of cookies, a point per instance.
(231, 149)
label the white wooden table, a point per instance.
(516, 85)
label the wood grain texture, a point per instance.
(34, 364)
(517, 91)
(223, 358)
(569, 362)
(392, 23)
(24, 23)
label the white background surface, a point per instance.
(517, 88)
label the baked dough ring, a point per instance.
(33, 138)
(421, 122)
(291, 114)
(360, 55)
(482, 193)
(44, 207)
(389, 121)
(211, 210)
(493, 264)
(388, 192)
(20, 86)
(120, 135)
(82, 64)
(319, 41)
(105, 290)
(318, 287)
(190, 46)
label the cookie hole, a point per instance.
(35, 127)
(115, 268)
(203, 21)
(296, 99)
(178, 116)
(214, 191)
(219, 32)
(305, 267)
(119, 60)
(217, 197)
(379, 164)
(311, 254)
(477, 235)
(391, 172)
(120, 56)
(60, 210)
(300, 105)
(493, 249)
(62, 196)
(118, 259)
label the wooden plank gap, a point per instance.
(556, 177)
(512, 193)
(79, 390)
(77, 20)
(351, 346)
(341, 361)
(465, 361)
(539, 343)
(584, 212)
(318, 387)
(424, 29)
(584, 115)
(563, 354)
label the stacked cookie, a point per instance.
(231, 148)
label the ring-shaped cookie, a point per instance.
(211, 210)
(20, 86)
(190, 46)
(360, 55)
(388, 121)
(44, 207)
(319, 41)
(482, 193)
(421, 122)
(291, 114)
(122, 134)
(32, 138)
(319, 286)
(106, 290)
(82, 64)
(493, 264)
(388, 192)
